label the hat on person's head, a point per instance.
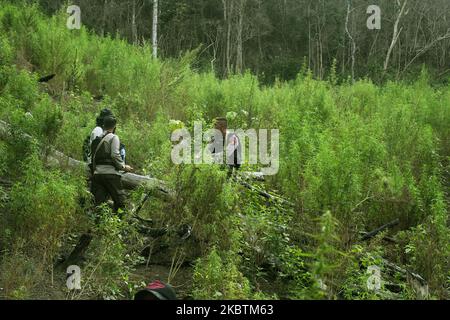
(109, 122)
(157, 290)
(105, 113)
(220, 122)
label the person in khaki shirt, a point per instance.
(107, 167)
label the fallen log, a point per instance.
(55, 158)
(419, 284)
(46, 78)
(371, 234)
(131, 181)
(251, 175)
(395, 268)
(264, 194)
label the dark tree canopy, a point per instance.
(275, 38)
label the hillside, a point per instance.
(354, 156)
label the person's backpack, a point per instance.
(86, 149)
(99, 155)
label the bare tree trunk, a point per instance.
(105, 4)
(352, 41)
(215, 41)
(133, 23)
(320, 24)
(228, 10)
(239, 59)
(395, 35)
(155, 29)
(225, 19)
(261, 55)
(309, 37)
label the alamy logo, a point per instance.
(374, 21)
(374, 280)
(227, 149)
(73, 278)
(74, 20)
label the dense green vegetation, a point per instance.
(353, 156)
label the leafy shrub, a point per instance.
(429, 249)
(6, 51)
(43, 208)
(3, 157)
(207, 202)
(19, 85)
(111, 258)
(19, 275)
(217, 277)
(47, 118)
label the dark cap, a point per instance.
(220, 123)
(105, 113)
(157, 290)
(109, 123)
